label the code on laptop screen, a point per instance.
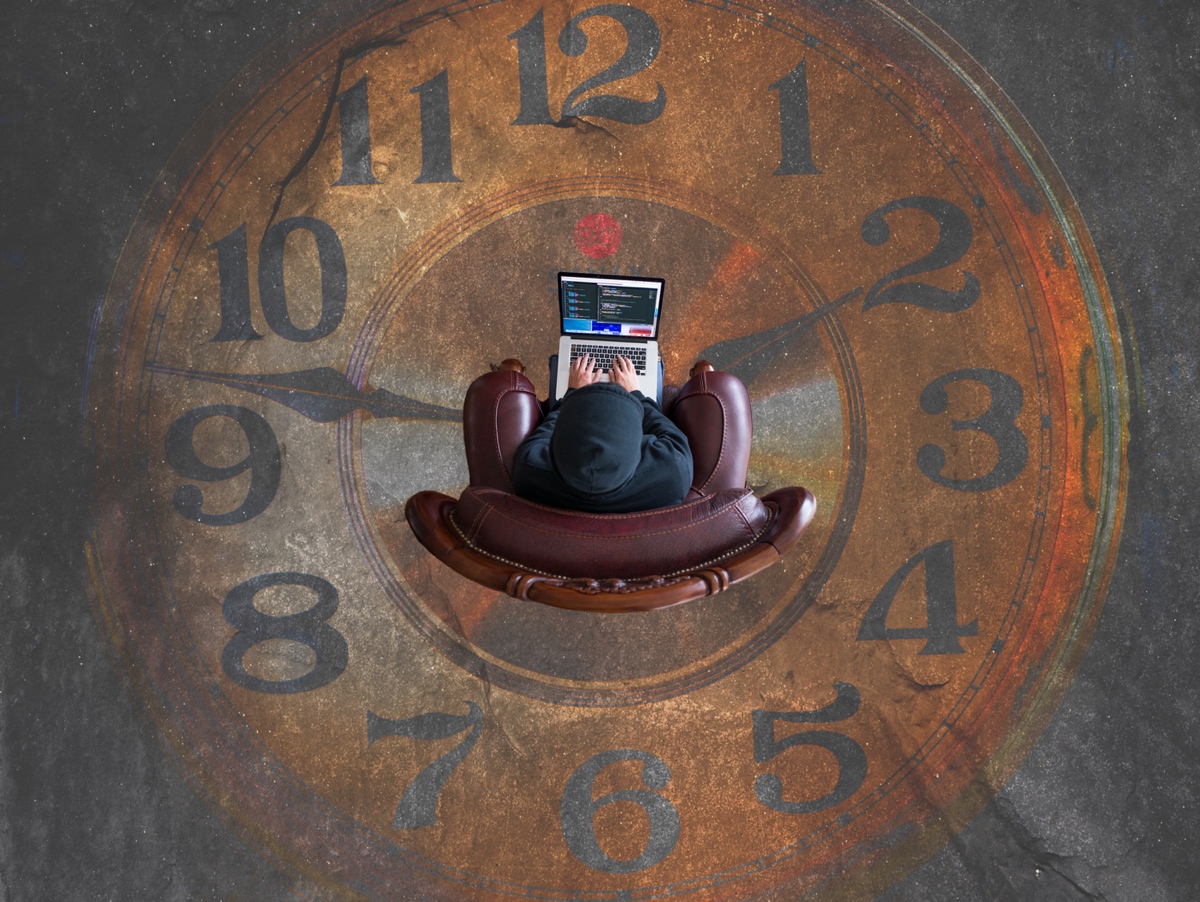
(599, 305)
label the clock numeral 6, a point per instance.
(578, 809)
(943, 631)
(234, 275)
(851, 760)
(998, 421)
(307, 627)
(263, 462)
(418, 805)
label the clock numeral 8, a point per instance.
(307, 627)
(578, 809)
(851, 759)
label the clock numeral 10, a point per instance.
(233, 273)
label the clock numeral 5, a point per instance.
(418, 805)
(263, 461)
(851, 759)
(307, 627)
(942, 632)
(578, 810)
(233, 273)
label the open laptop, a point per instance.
(607, 316)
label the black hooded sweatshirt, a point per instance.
(604, 450)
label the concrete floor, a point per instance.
(95, 95)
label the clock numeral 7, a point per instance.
(851, 759)
(418, 805)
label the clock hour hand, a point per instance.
(747, 355)
(321, 394)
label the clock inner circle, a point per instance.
(489, 293)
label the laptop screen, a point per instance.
(609, 306)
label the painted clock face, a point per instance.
(848, 215)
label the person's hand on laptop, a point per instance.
(582, 372)
(623, 374)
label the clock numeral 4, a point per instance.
(942, 632)
(578, 810)
(234, 275)
(851, 759)
(418, 805)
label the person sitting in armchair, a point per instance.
(604, 448)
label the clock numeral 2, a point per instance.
(418, 805)
(263, 461)
(307, 627)
(578, 810)
(851, 759)
(942, 632)
(234, 276)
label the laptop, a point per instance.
(609, 316)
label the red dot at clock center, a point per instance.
(598, 235)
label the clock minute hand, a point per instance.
(322, 394)
(748, 355)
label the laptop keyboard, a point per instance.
(603, 355)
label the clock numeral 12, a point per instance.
(418, 805)
(233, 273)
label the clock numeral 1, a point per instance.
(418, 805)
(999, 421)
(942, 632)
(795, 134)
(851, 759)
(307, 628)
(355, 121)
(262, 460)
(578, 809)
(233, 273)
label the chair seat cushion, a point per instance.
(661, 542)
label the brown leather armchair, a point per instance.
(721, 533)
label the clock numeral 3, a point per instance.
(643, 41)
(578, 809)
(262, 460)
(943, 630)
(418, 805)
(998, 421)
(307, 627)
(953, 242)
(851, 759)
(233, 273)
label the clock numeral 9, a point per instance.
(307, 627)
(418, 805)
(998, 421)
(578, 810)
(942, 632)
(851, 760)
(262, 460)
(234, 276)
